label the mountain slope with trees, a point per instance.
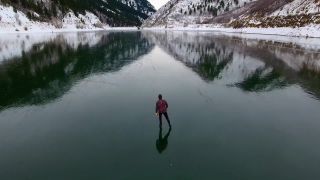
(237, 13)
(110, 12)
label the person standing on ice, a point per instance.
(161, 109)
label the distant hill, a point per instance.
(237, 13)
(110, 12)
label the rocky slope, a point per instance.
(80, 14)
(237, 13)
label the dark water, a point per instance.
(81, 106)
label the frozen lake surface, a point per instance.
(81, 106)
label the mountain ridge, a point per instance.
(114, 13)
(236, 13)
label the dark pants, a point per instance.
(167, 118)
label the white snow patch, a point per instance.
(298, 7)
(87, 21)
(18, 22)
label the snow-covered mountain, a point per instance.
(280, 13)
(185, 12)
(80, 14)
(237, 13)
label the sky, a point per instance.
(158, 3)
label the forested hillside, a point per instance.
(237, 13)
(111, 12)
(185, 12)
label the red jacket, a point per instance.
(161, 106)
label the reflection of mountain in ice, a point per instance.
(14, 45)
(39, 69)
(252, 65)
(209, 57)
(50, 68)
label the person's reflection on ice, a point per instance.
(162, 142)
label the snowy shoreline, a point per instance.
(302, 32)
(286, 35)
(3, 32)
(312, 31)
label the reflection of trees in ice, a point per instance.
(252, 65)
(289, 63)
(262, 80)
(49, 69)
(15, 45)
(205, 57)
(211, 66)
(209, 56)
